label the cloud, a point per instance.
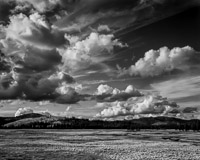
(31, 73)
(42, 88)
(16, 102)
(83, 22)
(106, 93)
(65, 113)
(103, 28)
(138, 106)
(174, 111)
(190, 110)
(179, 88)
(88, 12)
(164, 60)
(180, 115)
(45, 113)
(44, 103)
(27, 110)
(4, 66)
(41, 5)
(64, 77)
(38, 87)
(9, 88)
(105, 89)
(68, 95)
(23, 111)
(5, 7)
(95, 49)
(34, 30)
(37, 60)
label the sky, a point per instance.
(99, 59)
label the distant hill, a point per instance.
(6, 120)
(32, 121)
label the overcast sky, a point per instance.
(100, 58)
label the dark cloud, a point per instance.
(4, 66)
(9, 89)
(42, 87)
(190, 110)
(71, 96)
(30, 61)
(37, 87)
(34, 30)
(39, 60)
(175, 111)
(5, 8)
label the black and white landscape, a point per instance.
(120, 79)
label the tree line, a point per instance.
(75, 123)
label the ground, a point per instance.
(99, 145)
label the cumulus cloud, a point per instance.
(180, 115)
(30, 61)
(102, 28)
(95, 49)
(23, 111)
(34, 30)
(68, 95)
(164, 60)
(137, 106)
(41, 88)
(104, 89)
(38, 87)
(106, 93)
(30, 72)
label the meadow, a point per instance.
(99, 144)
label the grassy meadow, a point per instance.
(99, 145)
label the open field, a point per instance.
(99, 145)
